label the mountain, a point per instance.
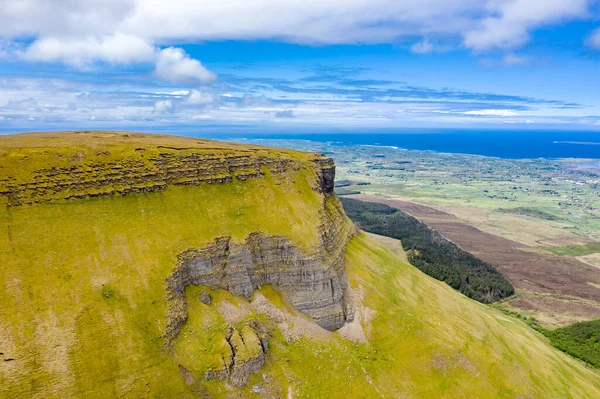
(158, 266)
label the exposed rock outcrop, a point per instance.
(103, 174)
(247, 356)
(314, 283)
(325, 174)
(205, 297)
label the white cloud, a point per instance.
(197, 97)
(422, 47)
(171, 64)
(63, 18)
(510, 21)
(174, 65)
(163, 106)
(594, 39)
(118, 48)
(484, 24)
(492, 112)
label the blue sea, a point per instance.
(495, 143)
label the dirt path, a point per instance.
(528, 269)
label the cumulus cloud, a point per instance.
(511, 21)
(63, 18)
(594, 39)
(174, 65)
(118, 48)
(171, 64)
(483, 24)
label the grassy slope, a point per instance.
(425, 341)
(456, 344)
(82, 293)
(82, 308)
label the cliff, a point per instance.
(300, 251)
(157, 266)
(92, 164)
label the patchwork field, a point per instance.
(557, 289)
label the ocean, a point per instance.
(495, 143)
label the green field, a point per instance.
(575, 250)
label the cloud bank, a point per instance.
(97, 29)
(94, 36)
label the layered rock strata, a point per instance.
(154, 171)
(313, 281)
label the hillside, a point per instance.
(157, 266)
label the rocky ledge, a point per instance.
(248, 349)
(154, 173)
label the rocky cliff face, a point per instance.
(153, 173)
(72, 167)
(314, 282)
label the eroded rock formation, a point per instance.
(105, 175)
(313, 281)
(248, 349)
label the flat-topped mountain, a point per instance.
(136, 265)
(40, 167)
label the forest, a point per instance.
(581, 340)
(431, 252)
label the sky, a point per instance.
(299, 65)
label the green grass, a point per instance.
(575, 250)
(485, 353)
(532, 212)
(424, 341)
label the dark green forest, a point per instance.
(431, 252)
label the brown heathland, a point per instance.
(575, 283)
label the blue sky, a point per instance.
(299, 65)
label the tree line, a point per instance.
(429, 251)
